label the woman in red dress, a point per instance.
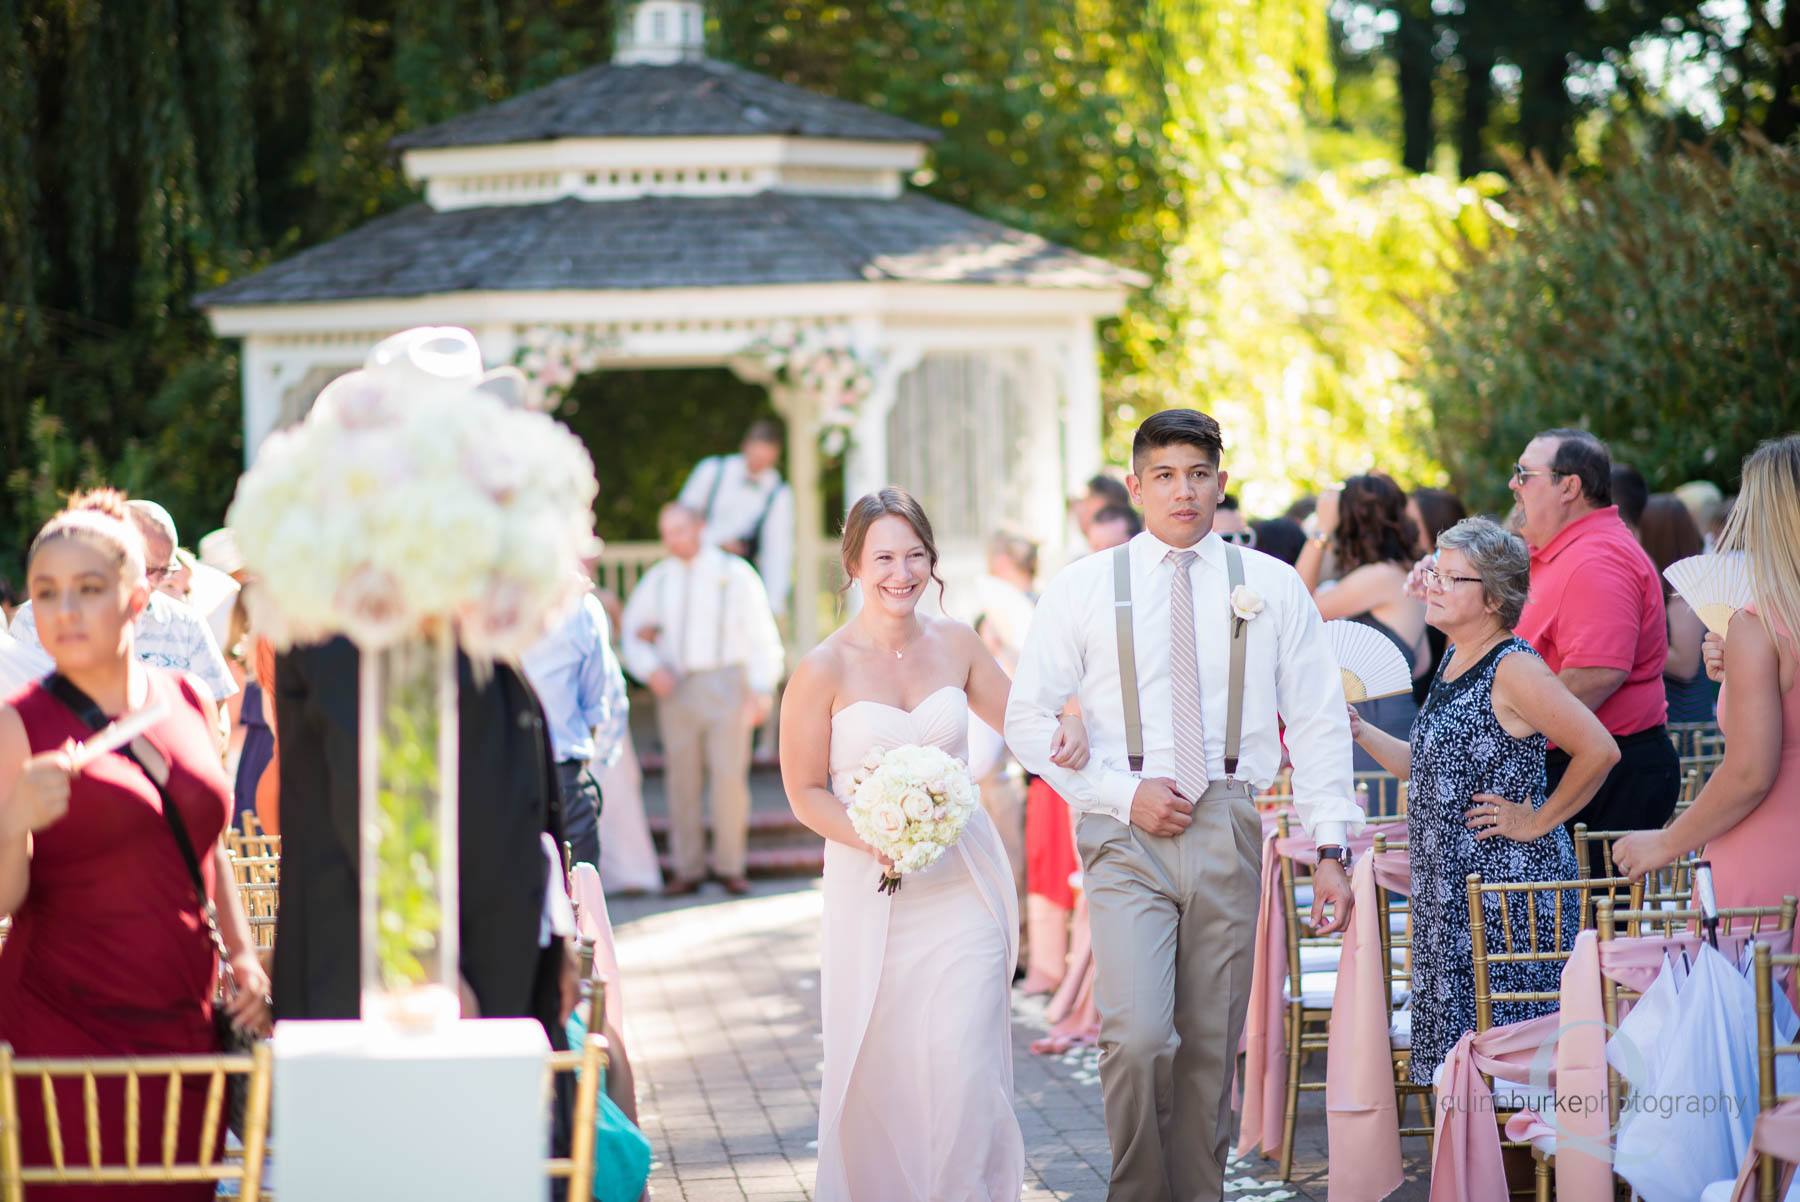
(109, 953)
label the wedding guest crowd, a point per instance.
(1668, 533)
(748, 509)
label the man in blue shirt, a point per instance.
(578, 680)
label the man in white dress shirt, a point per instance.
(699, 632)
(1169, 838)
(748, 508)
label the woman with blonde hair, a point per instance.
(1746, 815)
(110, 952)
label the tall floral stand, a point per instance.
(411, 1101)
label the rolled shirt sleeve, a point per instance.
(1050, 672)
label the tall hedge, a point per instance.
(1657, 305)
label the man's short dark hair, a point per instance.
(1177, 427)
(1580, 454)
(1229, 502)
(1629, 492)
(1112, 489)
(765, 431)
(1134, 525)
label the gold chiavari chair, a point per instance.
(1768, 1097)
(262, 903)
(1522, 940)
(1394, 912)
(5, 930)
(73, 1127)
(1624, 924)
(256, 870)
(589, 1064)
(252, 847)
(1381, 794)
(1311, 981)
(1669, 887)
(1686, 735)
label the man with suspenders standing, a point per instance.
(697, 630)
(1186, 655)
(749, 509)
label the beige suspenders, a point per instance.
(1128, 681)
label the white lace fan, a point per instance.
(1372, 666)
(1714, 586)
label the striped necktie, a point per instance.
(1184, 682)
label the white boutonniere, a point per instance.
(1246, 603)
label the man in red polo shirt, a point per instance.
(1596, 616)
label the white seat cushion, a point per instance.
(1517, 1095)
(1400, 1030)
(1320, 958)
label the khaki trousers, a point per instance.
(706, 742)
(1174, 929)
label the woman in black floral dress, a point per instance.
(1476, 801)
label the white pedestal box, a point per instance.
(362, 1111)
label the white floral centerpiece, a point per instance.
(911, 805)
(415, 510)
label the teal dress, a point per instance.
(621, 1151)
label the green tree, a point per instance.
(1658, 305)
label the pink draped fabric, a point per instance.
(1466, 1161)
(596, 924)
(1265, 1027)
(1361, 1116)
(1777, 1134)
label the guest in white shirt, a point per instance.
(578, 681)
(168, 634)
(1170, 846)
(699, 632)
(748, 509)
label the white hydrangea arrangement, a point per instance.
(911, 805)
(412, 495)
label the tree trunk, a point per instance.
(1412, 52)
(1784, 109)
(1545, 112)
(1478, 97)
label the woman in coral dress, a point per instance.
(1747, 814)
(109, 953)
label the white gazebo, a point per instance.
(668, 210)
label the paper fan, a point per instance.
(1714, 586)
(1372, 666)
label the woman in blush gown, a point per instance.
(916, 1104)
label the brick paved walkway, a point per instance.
(722, 1020)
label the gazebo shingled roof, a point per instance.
(651, 242)
(703, 98)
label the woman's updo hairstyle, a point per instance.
(870, 508)
(100, 519)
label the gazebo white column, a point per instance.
(800, 412)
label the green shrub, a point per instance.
(1657, 305)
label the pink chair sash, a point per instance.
(1265, 1028)
(1466, 1162)
(596, 924)
(1777, 1134)
(1362, 1121)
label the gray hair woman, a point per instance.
(1477, 801)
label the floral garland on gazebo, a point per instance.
(827, 369)
(819, 364)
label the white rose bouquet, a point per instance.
(910, 804)
(413, 495)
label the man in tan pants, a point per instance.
(699, 632)
(1186, 655)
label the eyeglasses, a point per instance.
(1243, 538)
(1521, 473)
(1436, 579)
